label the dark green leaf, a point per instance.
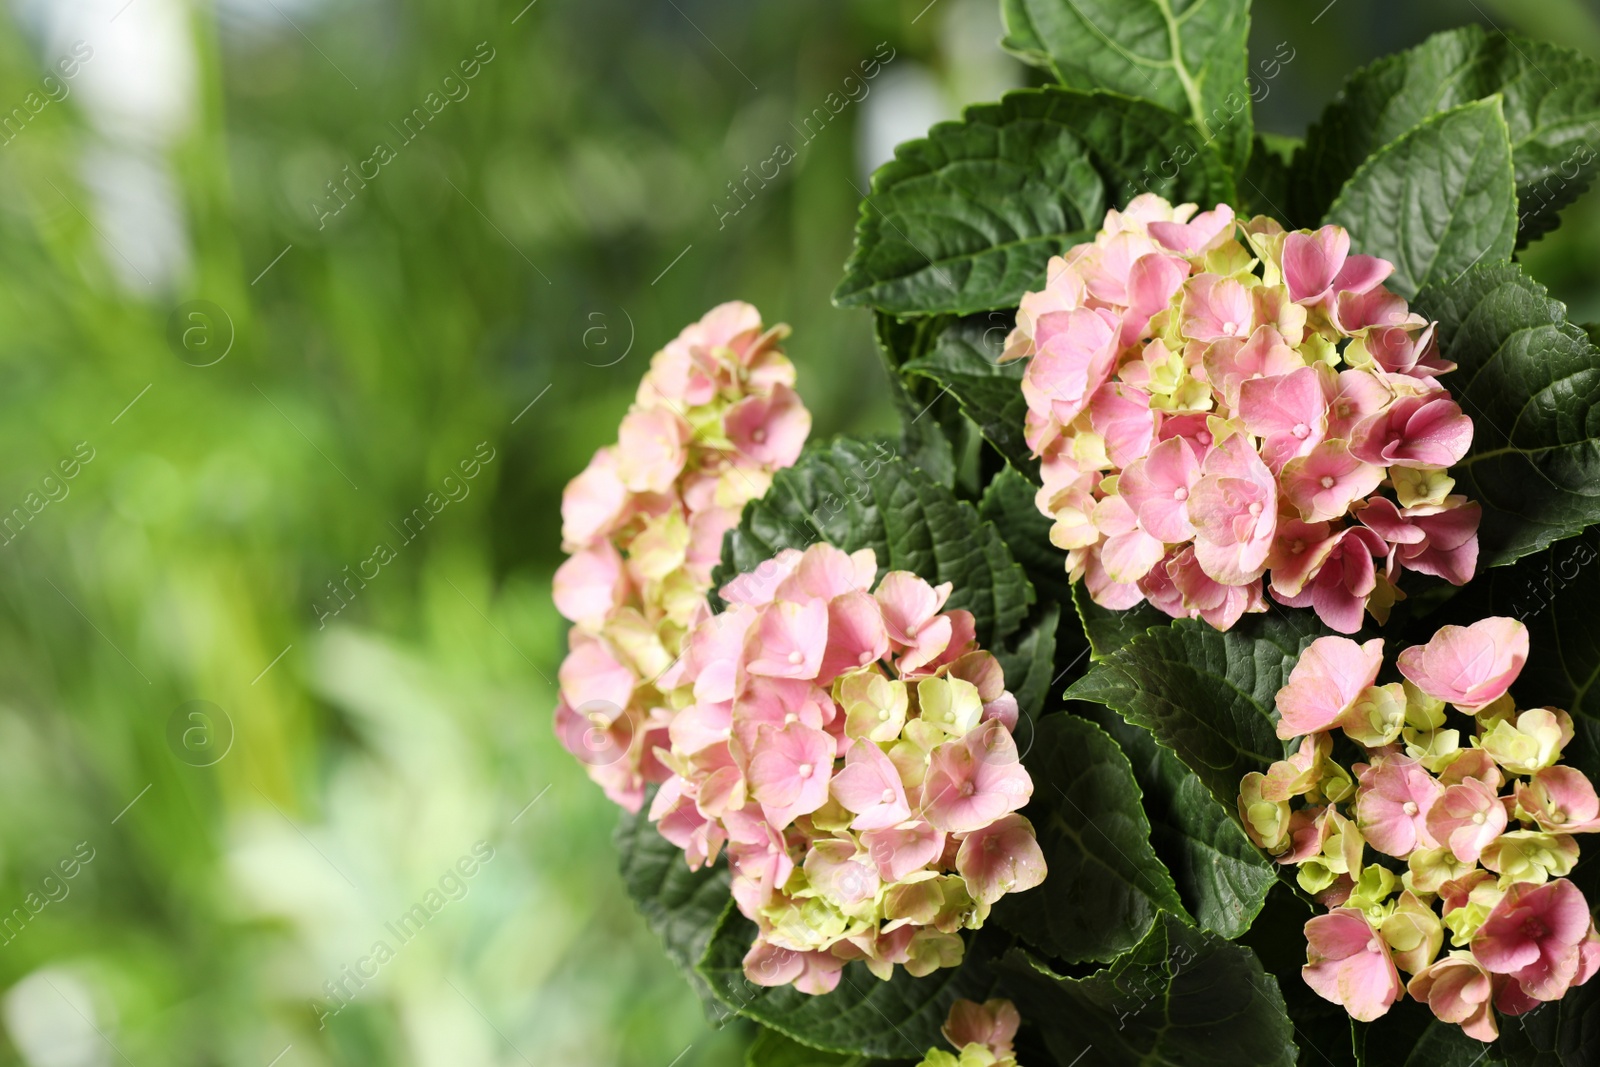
(927, 419)
(1530, 381)
(963, 363)
(897, 1018)
(1187, 55)
(1105, 886)
(1264, 185)
(1277, 937)
(772, 1049)
(967, 218)
(1436, 201)
(1222, 878)
(1109, 630)
(1207, 696)
(1409, 1036)
(853, 496)
(1030, 664)
(1182, 998)
(681, 906)
(1551, 101)
(1321, 1027)
(1008, 502)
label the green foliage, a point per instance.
(928, 425)
(1106, 886)
(1530, 381)
(1550, 99)
(772, 1049)
(1008, 502)
(681, 907)
(1186, 55)
(854, 495)
(899, 1018)
(1109, 630)
(1221, 877)
(1207, 696)
(966, 219)
(1409, 1036)
(1436, 201)
(1029, 662)
(1183, 997)
(964, 362)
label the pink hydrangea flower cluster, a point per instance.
(1216, 415)
(1477, 826)
(852, 748)
(715, 416)
(981, 1034)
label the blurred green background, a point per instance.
(489, 294)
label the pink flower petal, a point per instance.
(790, 770)
(789, 639)
(1311, 261)
(1329, 677)
(975, 779)
(1468, 666)
(870, 786)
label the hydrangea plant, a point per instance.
(1213, 402)
(1050, 729)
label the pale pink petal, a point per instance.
(589, 584)
(825, 572)
(900, 850)
(1157, 487)
(770, 429)
(1325, 482)
(975, 779)
(1466, 818)
(1349, 963)
(1205, 231)
(650, 449)
(592, 676)
(1468, 666)
(594, 503)
(1152, 281)
(870, 786)
(1328, 678)
(856, 634)
(1415, 431)
(788, 640)
(1215, 307)
(1229, 362)
(1076, 351)
(1121, 414)
(909, 603)
(790, 770)
(1534, 935)
(1234, 509)
(1392, 805)
(1311, 261)
(1003, 857)
(1288, 412)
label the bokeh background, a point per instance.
(255, 367)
